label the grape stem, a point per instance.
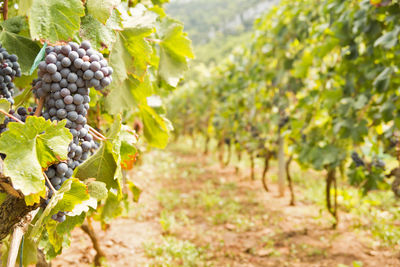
(50, 185)
(39, 108)
(97, 134)
(11, 116)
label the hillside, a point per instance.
(216, 26)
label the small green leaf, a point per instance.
(70, 223)
(389, 39)
(38, 59)
(112, 208)
(4, 106)
(136, 191)
(155, 127)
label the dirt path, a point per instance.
(193, 213)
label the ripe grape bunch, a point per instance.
(357, 160)
(9, 69)
(65, 76)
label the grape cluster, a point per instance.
(65, 76)
(9, 69)
(357, 160)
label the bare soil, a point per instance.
(265, 231)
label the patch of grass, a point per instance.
(169, 199)
(175, 252)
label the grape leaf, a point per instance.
(175, 49)
(104, 165)
(4, 106)
(39, 57)
(136, 191)
(23, 47)
(31, 148)
(55, 20)
(24, 6)
(29, 252)
(97, 33)
(70, 223)
(128, 94)
(155, 127)
(101, 9)
(139, 49)
(98, 190)
(121, 61)
(55, 239)
(71, 193)
(128, 149)
(112, 208)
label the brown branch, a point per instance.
(266, 168)
(8, 188)
(88, 229)
(5, 9)
(39, 108)
(289, 179)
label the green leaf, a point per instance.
(29, 252)
(71, 193)
(98, 190)
(136, 191)
(4, 106)
(55, 239)
(126, 95)
(55, 20)
(112, 208)
(175, 49)
(22, 97)
(39, 57)
(101, 9)
(31, 148)
(14, 24)
(23, 47)
(100, 35)
(104, 165)
(382, 81)
(128, 141)
(139, 49)
(130, 54)
(121, 61)
(24, 6)
(155, 127)
(389, 39)
(70, 223)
